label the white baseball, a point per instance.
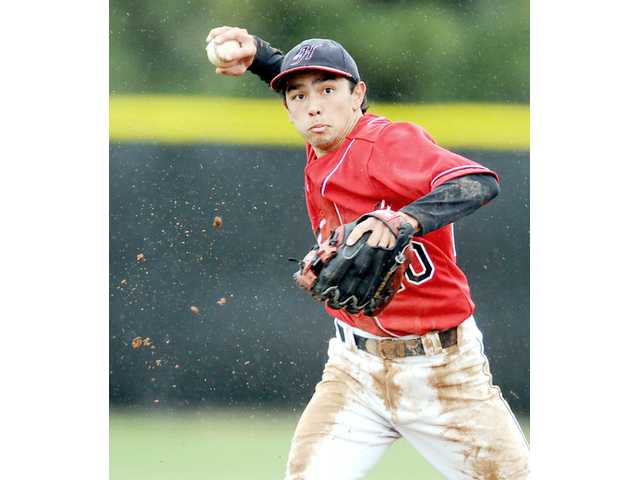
(219, 54)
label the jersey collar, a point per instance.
(356, 132)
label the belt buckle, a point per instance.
(386, 348)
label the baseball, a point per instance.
(219, 54)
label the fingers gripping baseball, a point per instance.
(235, 61)
(216, 31)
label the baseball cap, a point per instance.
(317, 54)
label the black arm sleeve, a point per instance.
(452, 200)
(267, 61)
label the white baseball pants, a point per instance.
(442, 403)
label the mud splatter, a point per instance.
(385, 386)
(487, 469)
(478, 419)
(319, 418)
(471, 187)
(455, 388)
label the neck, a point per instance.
(350, 126)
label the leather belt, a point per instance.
(390, 348)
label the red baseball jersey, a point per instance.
(382, 164)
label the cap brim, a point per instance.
(276, 80)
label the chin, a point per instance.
(321, 143)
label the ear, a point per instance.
(358, 95)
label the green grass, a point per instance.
(225, 445)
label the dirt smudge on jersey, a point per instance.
(319, 417)
(471, 187)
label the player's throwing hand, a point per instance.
(239, 60)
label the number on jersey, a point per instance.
(426, 270)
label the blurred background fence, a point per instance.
(219, 320)
(406, 50)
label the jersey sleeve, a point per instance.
(267, 61)
(405, 162)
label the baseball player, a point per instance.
(417, 369)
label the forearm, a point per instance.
(267, 61)
(451, 201)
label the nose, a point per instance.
(314, 106)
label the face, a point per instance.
(322, 109)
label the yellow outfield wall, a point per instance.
(198, 119)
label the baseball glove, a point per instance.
(357, 278)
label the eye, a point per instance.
(329, 89)
(297, 96)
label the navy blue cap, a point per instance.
(317, 54)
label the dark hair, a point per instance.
(364, 106)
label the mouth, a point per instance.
(318, 128)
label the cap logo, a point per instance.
(305, 53)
